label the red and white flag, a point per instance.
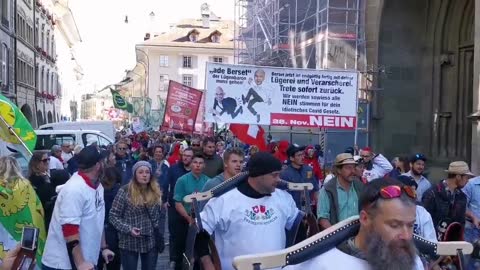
(250, 134)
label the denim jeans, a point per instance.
(471, 235)
(148, 260)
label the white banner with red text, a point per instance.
(281, 96)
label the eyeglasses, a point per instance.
(393, 192)
(45, 160)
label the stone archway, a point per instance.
(27, 112)
(49, 117)
(40, 119)
(427, 50)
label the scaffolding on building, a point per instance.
(314, 34)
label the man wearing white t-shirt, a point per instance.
(56, 162)
(385, 239)
(75, 236)
(251, 218)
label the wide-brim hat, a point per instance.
(344, 159)
(459, 167)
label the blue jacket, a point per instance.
(174, 172)
(161, 176)
(303, 175)
(124, 165)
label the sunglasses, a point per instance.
(195, 144)
(393, 192)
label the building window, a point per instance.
(163, 82)
(187, 80)
(193, 37)
(42, 39)
(4, 64)
(187, 62)
(37, 35)
(215, 38)
(48, 42)
(164, 60)
(217, 59)
(5, 18)
(42, 85)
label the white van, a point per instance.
(104, 126)
(48, 138)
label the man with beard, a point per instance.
(232, 163)
(417, 165)
(213, 162)
(376, 165)
(176, 171)
(385, 238)
(339, 198)
(446, 201)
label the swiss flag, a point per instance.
(250, 134)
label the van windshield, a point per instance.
(45, 142)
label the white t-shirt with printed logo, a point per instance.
(77, 204)
(244, 225)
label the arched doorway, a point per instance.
(426, 48)
(27, 112)
(49, 117)
(40, 119)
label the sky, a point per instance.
(108, 43)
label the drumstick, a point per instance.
(283, 257)
(218, 190)
(330, 238)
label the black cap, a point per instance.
(407, 181)
(263, 163)
(88, 157)
(418, 157)
(293, 149)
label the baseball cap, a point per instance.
(418, 157)
(293, 149)
(89, 156)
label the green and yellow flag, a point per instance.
(120, 103)
(19, 207)
(13, 117)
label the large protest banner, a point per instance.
(182, 106)
(281, 96)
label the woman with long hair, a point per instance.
(40, 179)
(136, 213)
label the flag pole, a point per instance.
(10, 128)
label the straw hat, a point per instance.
(459, 167)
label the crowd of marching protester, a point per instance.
(109, 207)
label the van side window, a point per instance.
(45, 142)
(104, 143)
(89, 138)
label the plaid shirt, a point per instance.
(124, 216)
